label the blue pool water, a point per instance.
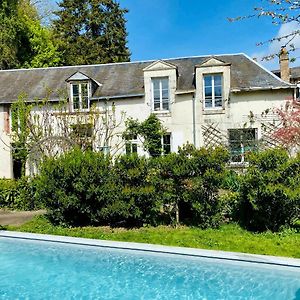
(44, 270)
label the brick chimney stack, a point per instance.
(284, 64)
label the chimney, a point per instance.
(284, 64)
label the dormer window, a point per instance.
(160, 94)
(80, 95)
(213, 91)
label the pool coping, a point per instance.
(194, 252)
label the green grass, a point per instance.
(228, 237)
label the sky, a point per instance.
(159, 29)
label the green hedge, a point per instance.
(87, 188)
(18, 194)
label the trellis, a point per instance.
(213, 136)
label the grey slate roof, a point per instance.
(123, 79)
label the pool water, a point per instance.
(49, 270)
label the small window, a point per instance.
(80, 96)
(241, 142)
(213, 91)
(82, 135)
(131, 145)
(160, 94)
(166, 143)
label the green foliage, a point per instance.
(138, 190)
(79, 188)
(19, 194)
(91, 32)
(270, 191)
(150, 130)
(189, 183)
(24, 42)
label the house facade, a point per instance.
(205, 100)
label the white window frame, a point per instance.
(79, 83)
(131, 142)
(160, 90)
(213, 107)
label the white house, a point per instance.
(204, 100)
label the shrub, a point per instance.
(189, 183)
(18, 194)
(270, 191)
(79, 188)
(137, 190)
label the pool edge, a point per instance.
(214, 254)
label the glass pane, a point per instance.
(156, 105)
(218, 102)
(165, 94)
(76, 102)
(75, 90)
(134, 148)
(166, 105)
(155, 84)
(207, 81)
(208, 103)
(208, 92)
(218, 91)
(167, 139)
(165, 83)
(218, 80)
(156, 94)
(84, 90)
(85, 102)
(128, 148)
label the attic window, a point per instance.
(80, 96)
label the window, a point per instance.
(242, 141)
(131, 145)
(80, 96)
(82, 135)
(160, 93)
(166, 143)
(213, 91)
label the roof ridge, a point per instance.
(121, 63)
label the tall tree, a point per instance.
(9, 29)
(91, 31)
(24, 42)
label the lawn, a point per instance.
(228, 237)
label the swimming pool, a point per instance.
(31, 269)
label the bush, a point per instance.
(189, 183)
(79, 188)
(270, 191)
(137, 190)
(18, 194)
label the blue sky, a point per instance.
(174, 28)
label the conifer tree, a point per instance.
(91, 31)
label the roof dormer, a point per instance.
(160, 81)
(82, 88)
(213, 84)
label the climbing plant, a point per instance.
(150, 132)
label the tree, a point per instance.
(289, 133)
(24, 42)
(91, 31)
(280, 12)
(42, 129)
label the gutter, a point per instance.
(250, 89)
(118, 97)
